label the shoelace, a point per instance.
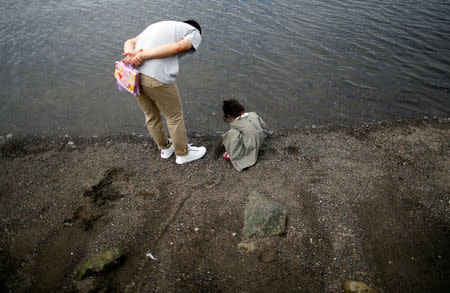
(193, 148)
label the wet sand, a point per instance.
(368, 203)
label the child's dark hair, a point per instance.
(194, 24)
(231, 109)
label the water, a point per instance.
(297, 63)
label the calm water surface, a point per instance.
(297, 63)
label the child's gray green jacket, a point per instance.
(243, 140)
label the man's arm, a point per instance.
(133, 57)
(129, 45)
(137, 57)
(167, 50)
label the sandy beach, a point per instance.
(368, 203)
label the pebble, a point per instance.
(357, 287)
(247, 246)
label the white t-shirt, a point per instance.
(166, 69)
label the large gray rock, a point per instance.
(263, 217)
(100, 262)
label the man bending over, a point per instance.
(155, 53)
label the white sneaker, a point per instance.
(167, 153)
(195, 153)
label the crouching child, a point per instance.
(245, 137)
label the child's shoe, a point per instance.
(226, 156)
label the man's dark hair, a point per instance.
(194, 24)
(232, 109)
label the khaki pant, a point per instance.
(156, 99)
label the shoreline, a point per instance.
(142, 131)
(53, 139)
(367, 202)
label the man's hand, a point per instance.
(133, 57)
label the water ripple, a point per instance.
(295, 62)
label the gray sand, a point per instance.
(367, 203)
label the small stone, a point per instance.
(100, 262)
(247, 246)
(268, 256)
(357, 287)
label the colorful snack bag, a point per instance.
(127, 77)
